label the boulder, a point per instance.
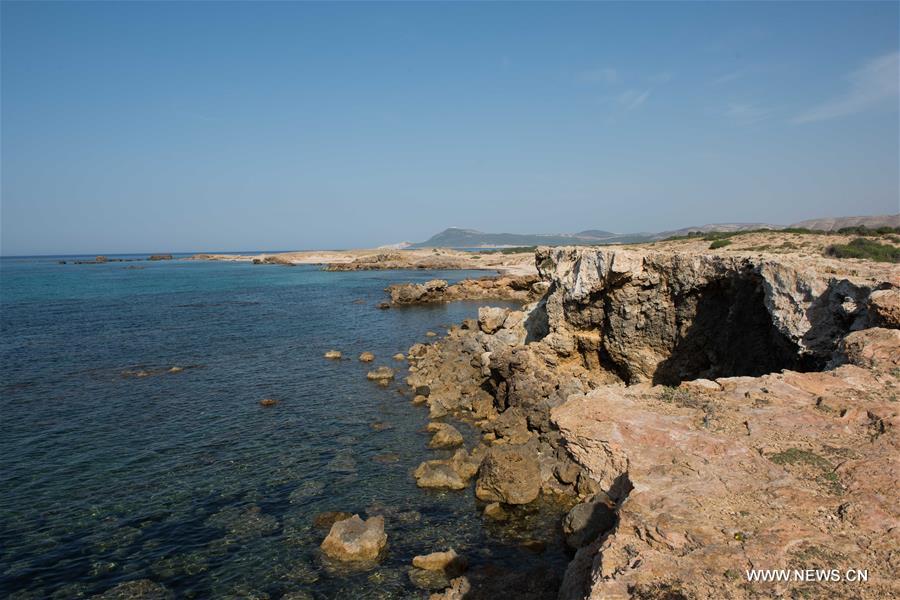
(491, 318)
(589, 520)
(355, 539)
(366, 357)
(509, 474)
(445, 436)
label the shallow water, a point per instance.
(114, 469)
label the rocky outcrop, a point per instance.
(712, 414)
(354, 539)
(399, 260)
(667, 317)
(788, 470)
(523, 288)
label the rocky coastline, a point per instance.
(692, 414)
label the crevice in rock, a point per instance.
(725, 330)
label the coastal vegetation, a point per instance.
(865, 248)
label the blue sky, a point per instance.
(141, 127)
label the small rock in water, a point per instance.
(381, 374)
(399, 356)
(267, 402)
(419, 400)
(355, 539)
(384, 305)
(366, 357)
(333, 354)
(381, 426)
(176, 369)
(430, 334)
(449, 562)
(438, 474)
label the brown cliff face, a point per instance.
(777, 449)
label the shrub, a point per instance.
(865, 248)
(719, 244)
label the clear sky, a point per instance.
(151, 126)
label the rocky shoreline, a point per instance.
(699, 414)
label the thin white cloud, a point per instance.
(874, 84)
(746, 112)
(729, 77)
(606, 75)
(631, 99)
(660, 78)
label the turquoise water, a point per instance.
(183, 478)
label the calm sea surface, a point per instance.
(114, 469)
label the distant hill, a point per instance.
(872, 222)
(455, 237)
(715, 227)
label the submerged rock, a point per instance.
(496, 512)
(328, 518)
(428, 580)
(354, 539)
(139, 589)
(307, 489)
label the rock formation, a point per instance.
(522, 288)
(712, 413)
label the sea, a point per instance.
(134, 445)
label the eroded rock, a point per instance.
(509, 474)
(355, 539)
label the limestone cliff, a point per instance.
(735, 411)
